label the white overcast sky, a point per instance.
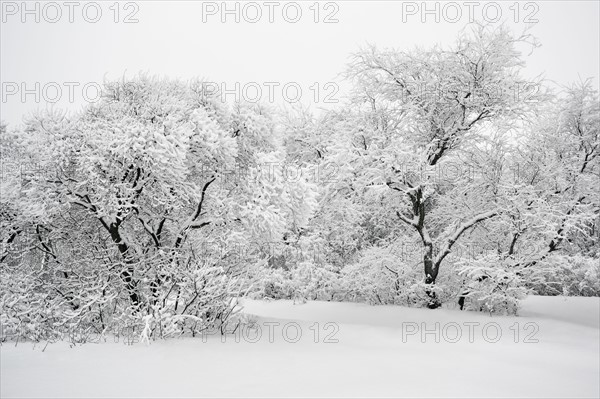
(171, 38)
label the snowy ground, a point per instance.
(364, 351)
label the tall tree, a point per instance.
(425, 107)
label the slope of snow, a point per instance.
(354, 350)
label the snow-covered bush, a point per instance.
(92, 302)
(573, 275)
(303, 281)
(389, 275)
(493, 286)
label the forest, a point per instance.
(446, 178)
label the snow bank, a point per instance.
(336, 350)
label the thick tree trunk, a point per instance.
(431, 272)
(127, 273)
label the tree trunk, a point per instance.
(431, 273)
(130, 285)
(127, 274)
(461, 300)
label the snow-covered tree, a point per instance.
(423, 109)
(164, 189)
